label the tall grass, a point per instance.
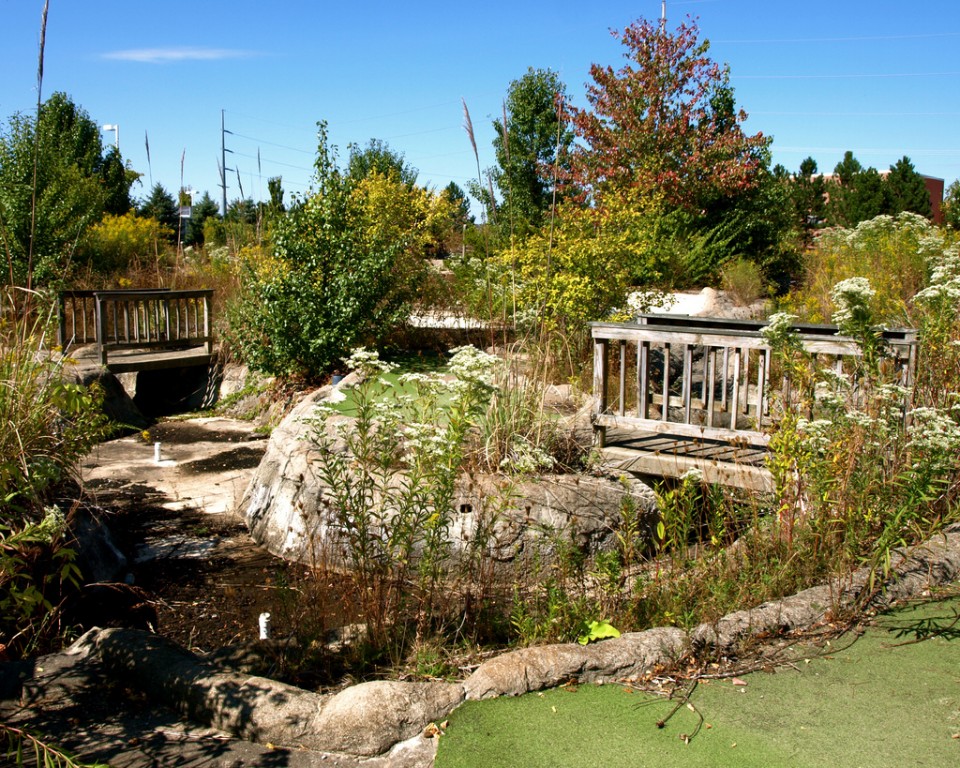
(48, 422)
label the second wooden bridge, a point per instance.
(676, 393)
(138, 330)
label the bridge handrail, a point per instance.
(721, 394)
(136, 319)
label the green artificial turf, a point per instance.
(878, 702)
(428, 363)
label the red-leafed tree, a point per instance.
(666, 123)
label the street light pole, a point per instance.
(116, 133)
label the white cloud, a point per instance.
(169, 55)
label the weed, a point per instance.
(743, 282)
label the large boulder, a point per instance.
(286, 503)
(118, 406)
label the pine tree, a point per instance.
(906, 189)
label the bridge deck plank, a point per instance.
(664, 455)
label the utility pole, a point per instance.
(223, 162)
(663, 14)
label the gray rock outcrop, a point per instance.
(286, 504)
(365, 720)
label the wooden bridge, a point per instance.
(675, 393)
(137, 330)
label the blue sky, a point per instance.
(880, 78)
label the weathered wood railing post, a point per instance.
(101, 321)
(208, 322)
(600, 374)
(62, 340)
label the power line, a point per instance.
(273, 143)
(852, 39)
(271, 161)
(845, 76)
(853, 114)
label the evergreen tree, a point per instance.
(855, 193)
(203, 209)
(906, 189)
(161, 206)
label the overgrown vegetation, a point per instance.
(863, 463)
(345, 268)
(48, 425)
(661, 190)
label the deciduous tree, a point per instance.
(531, 144)
(378, 156)
(55, 182)
(665, 122)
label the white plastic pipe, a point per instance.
(156, 452)
(264, 626)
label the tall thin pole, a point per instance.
(223, 162)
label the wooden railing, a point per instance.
(705, 377)
(157, 319)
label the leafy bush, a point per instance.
(48, 425)
(345, 267)
(118, 243)
(35, 566)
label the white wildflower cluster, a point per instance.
(931, 247)
(934, 436)
(692, 477)
(852, 299)
(817, 433)
(474, 366)
(832, 399)
(903, 230)
(833, 389)
(944, 288)
(863, 420)
(54, 521)
(526, 458)
(779, 329)
(367, 362)
(425, 441)
(423, 382)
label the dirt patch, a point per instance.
(177, 522)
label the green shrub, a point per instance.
(48, 426)
(344, 270)
(743, 282)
